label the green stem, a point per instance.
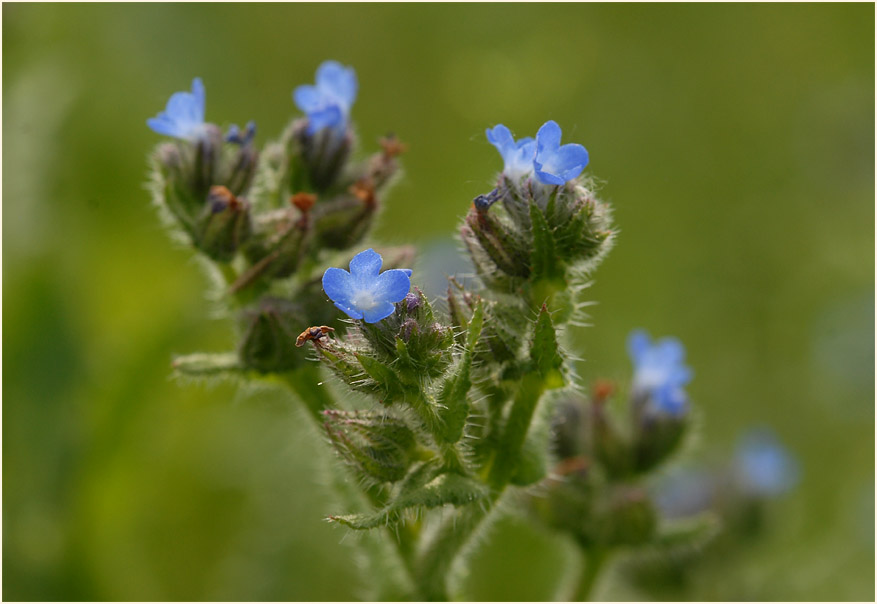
(435, 563)
(593, 563)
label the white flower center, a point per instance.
(364, 300)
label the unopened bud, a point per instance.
(343, 221)
(270, 332)
(224, 225)
(322, 155)
(631, 518)
(380, 447)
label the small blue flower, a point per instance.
(362, 293)
(557, 164)
(518, 156)
(659, 371)
(184, 115)
(236, 137)
(328, 104)
(763, 466)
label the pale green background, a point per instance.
(735, 141)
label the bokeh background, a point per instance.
(735, 141)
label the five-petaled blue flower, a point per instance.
(763, 466)
(363, 293)
(328, 104)
(518, 156)
(660, 372)
(184, 115)
(555, 164)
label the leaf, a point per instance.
(422, 488)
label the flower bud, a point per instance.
(281, 242)
(317, 158)
(656, 435)
(270, 332)
(378, 446)
(240, 167)
(412, 339)
(494, 244)
(631, 518)
(224, 225)
(343, 221)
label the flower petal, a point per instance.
(338, 284)
(329, 116)
(348, 310)
(198, 98)
(570, 161)
(393, 285)
(548, 136)
(307, 97)
(638, 342)
(337, 81)
(162, 125)
(501, 138)
(366, 265)
(547, 177)
(379, 312)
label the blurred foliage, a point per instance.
(735, 141)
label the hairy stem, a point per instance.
(593, 564)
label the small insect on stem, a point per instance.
(313, 334)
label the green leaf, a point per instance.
(422, 488)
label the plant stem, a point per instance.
(593, 563)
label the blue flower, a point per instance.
(659, 372)
(362, 293)
(763, 466)
(556, 164)
(518, 156)
(184, 115)
(328, 104)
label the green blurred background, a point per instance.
(735, 141)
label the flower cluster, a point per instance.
(544, 156)
(466, 394)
